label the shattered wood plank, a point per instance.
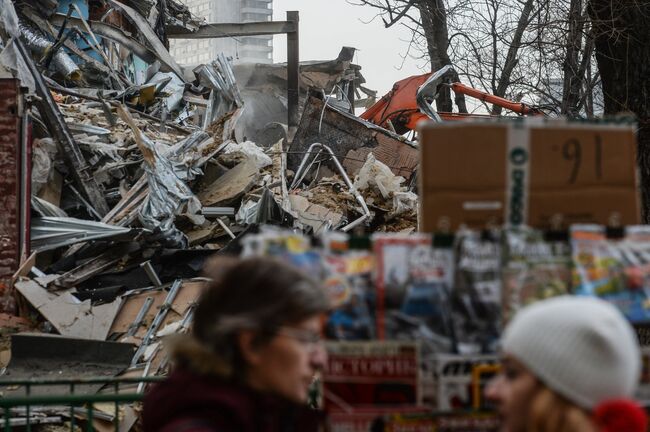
(231, 185)
(67, 314)
(386, 153)
(343, 132)
(66, 91)
(129, 203)
(95, 265)
(201, 235)
(130, 213)
(280, 174)
(25, 267)
(58, 128)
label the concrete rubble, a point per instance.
(139, 169)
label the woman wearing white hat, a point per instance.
(570, 364)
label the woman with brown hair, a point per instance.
(252, 355)
(571, 364)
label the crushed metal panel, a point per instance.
(96, 265)
(188, 295)
(9, 181)
(344, 132)
(118, 35)
(60, 61)
(168, 195)
(220, 30)
(46, 209)
(67, 314)
(150, 36)
(54, 119)
(54, 232)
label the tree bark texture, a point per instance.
(434, 25)
(572, 79)
(622, 41)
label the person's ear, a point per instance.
(247, 347)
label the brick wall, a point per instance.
(9, 187)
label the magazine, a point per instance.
(533, 269)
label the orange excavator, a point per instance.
(409, 102)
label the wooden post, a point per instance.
(293, 71)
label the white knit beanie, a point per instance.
(581, 347)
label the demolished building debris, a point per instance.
(125, 171)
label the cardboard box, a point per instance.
(537, 172)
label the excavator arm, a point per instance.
(398, 107)
(409, 102)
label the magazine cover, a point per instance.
(442, 422)
(615, 270)
(597, 266)
(293, 248)
(635, 252)
(371, 420)
(533, 269)
(371, 375)
(456, 379)
(476, 298)
(350, 287)
(413, 285)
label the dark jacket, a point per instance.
(188, 402)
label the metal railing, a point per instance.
(72, 403)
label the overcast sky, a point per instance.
(328, 25)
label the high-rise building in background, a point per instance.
(248, 49)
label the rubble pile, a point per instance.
(142, 168)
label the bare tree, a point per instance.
(511, 59)
(434, 23)
(427, 19)
(519, 49)
(622, 43)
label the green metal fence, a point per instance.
(73, 402)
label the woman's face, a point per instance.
(287, 364)
(512, 392)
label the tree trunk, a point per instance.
(572, 79)
(622, 38)
(434, 24)
(586, 79)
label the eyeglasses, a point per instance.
(308, 338)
